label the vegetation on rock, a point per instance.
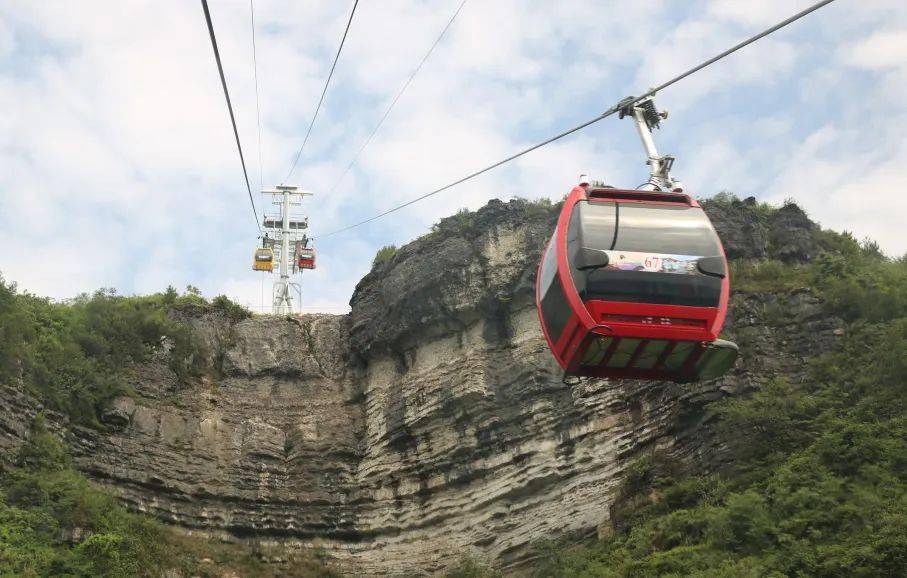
(464, 222)
(384, 254)
(74, 355)
(54, 522)
(818, 485)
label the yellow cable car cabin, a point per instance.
(263, 259)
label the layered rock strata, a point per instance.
(431, 422)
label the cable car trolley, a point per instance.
(305, 255)
(634, 283)
(263, 259)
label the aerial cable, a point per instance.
(257, 97)
(223, 82)
(397, 97)
(627, 102)
(323, 92)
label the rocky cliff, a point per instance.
(431, 422)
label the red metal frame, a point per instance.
(674, 323)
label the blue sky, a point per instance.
(118, 168)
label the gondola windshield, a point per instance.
(651, 253)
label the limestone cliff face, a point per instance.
(431, 422)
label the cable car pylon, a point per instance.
(634, 282)
(285, 242)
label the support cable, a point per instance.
(223, 82)
(261, 169)
(397, 97)
(323, 92)
(623, 104)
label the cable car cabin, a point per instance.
(263, 260)
(305, 258)
(634, 284)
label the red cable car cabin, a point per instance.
(305, 258)
(634, 284)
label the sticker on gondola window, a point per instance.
(652, 262)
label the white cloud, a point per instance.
(761, 14)
(120, 145)
(846, 190)
(886, 49)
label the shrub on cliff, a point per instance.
(384, 254)
(233, 310)
(54, 522)
(471, 567)
(853, 278)
(74, 355)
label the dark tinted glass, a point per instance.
(649, 356)
(665, 229)
(594, 223)
(555, 309)
(591, 226)
(652, 229)
(716, 360)
(596, 351)
(678, 356)
(624, 352)
(647, 287)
